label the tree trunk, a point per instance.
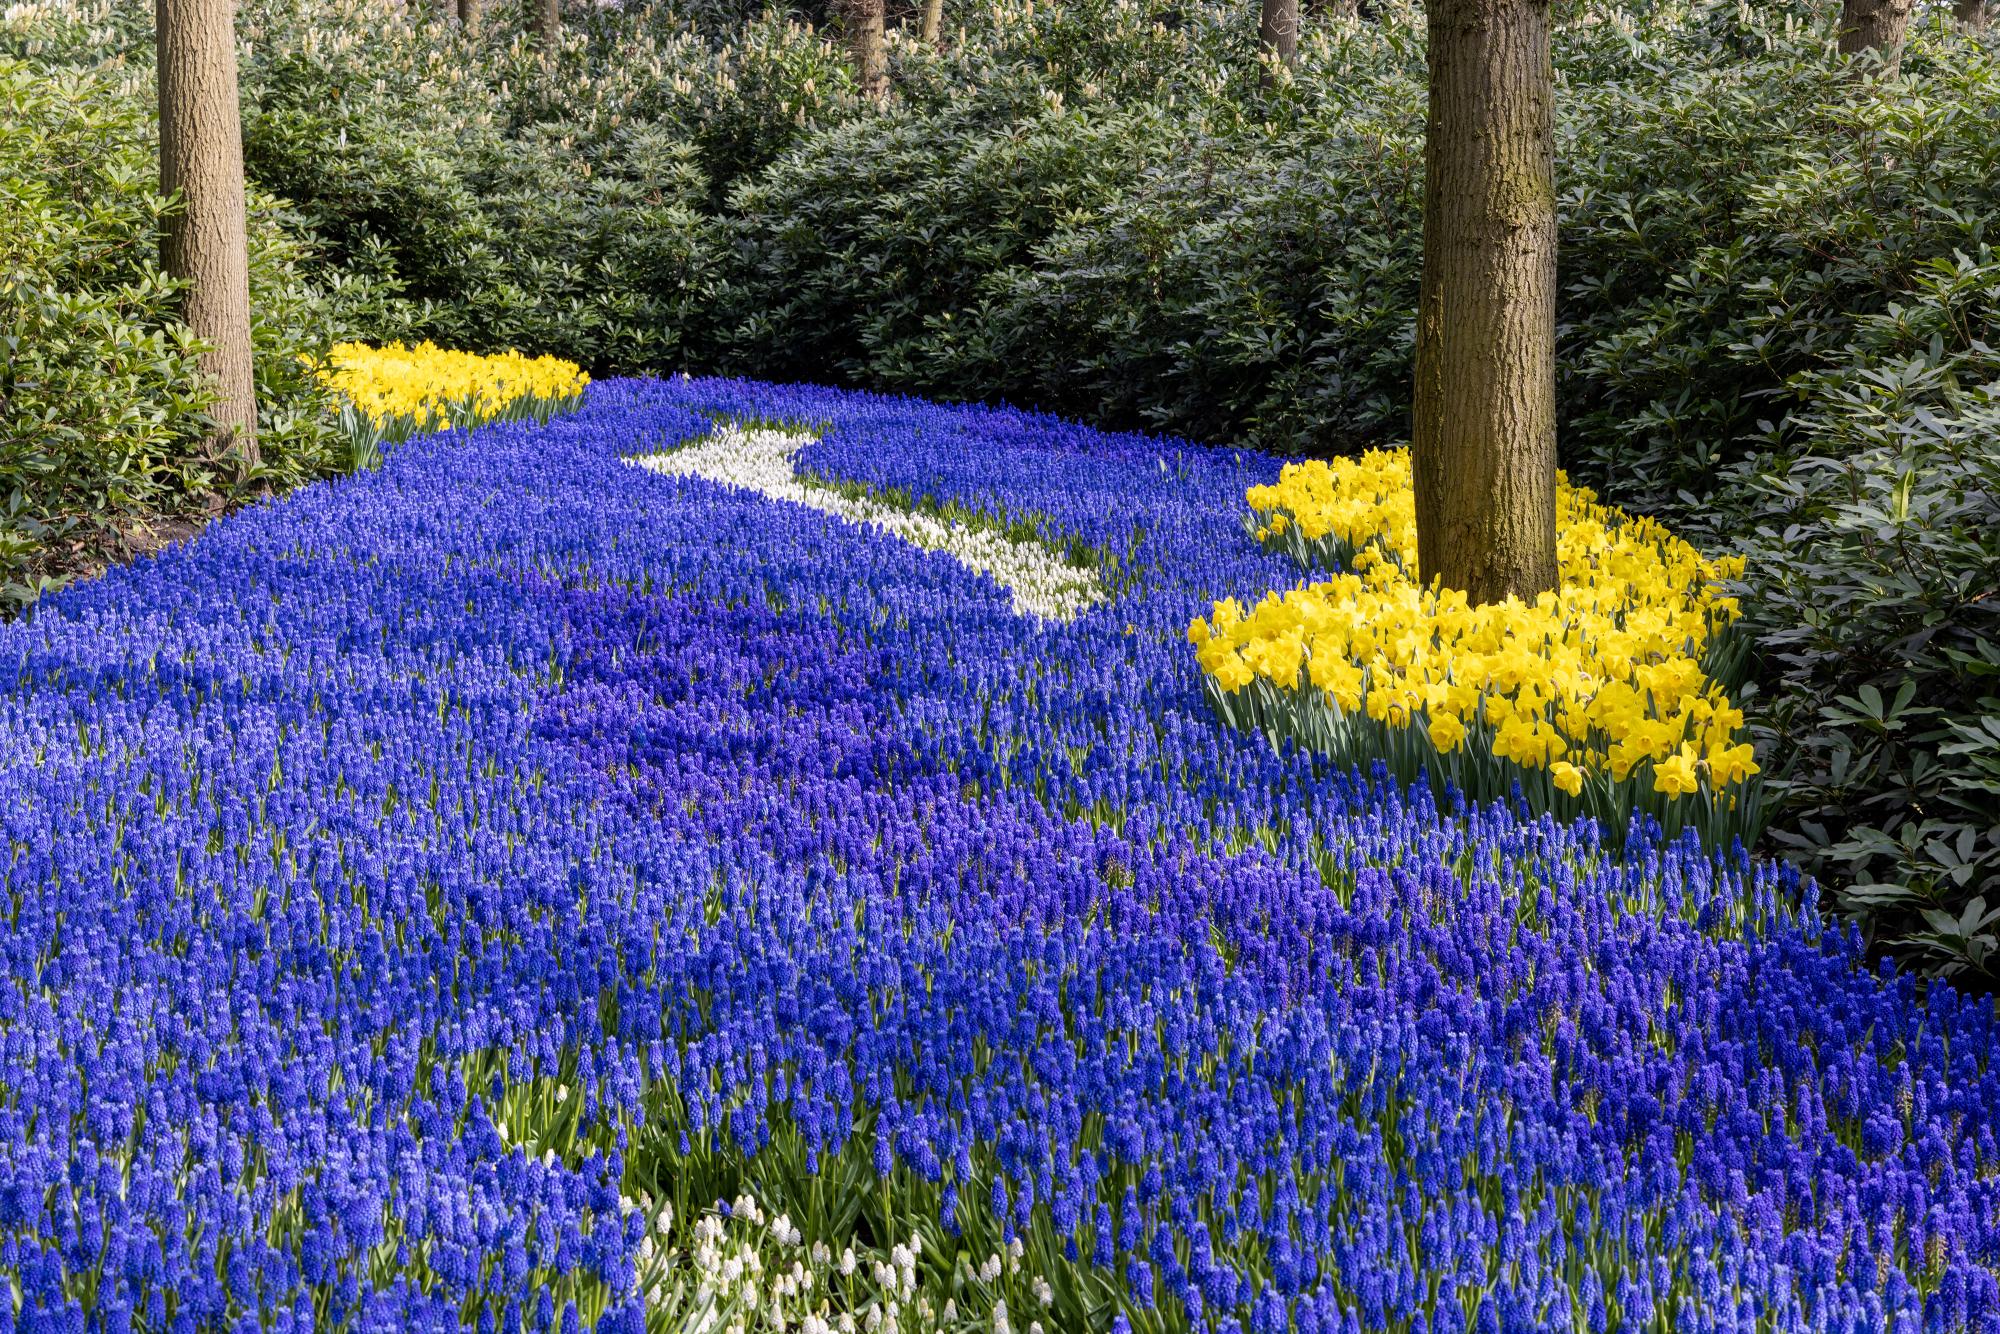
(468, 14)
(1972, 14)
(201, 161)
(871, 57)
(545, 20)
(1483, 438)
(1278, 34)
(1875, 25)
(933, 21)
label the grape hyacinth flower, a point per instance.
(342, 837)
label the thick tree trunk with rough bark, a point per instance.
(1278, 33)
(1483, 439)
(205, 244)
(871, 56)
(933, 21)
(545, 20)
(1875, 25)
(468, 14)
(1972, 14)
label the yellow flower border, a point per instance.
(1607, 696)
(393, 392)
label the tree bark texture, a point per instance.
(933, 21)
(1483, 438)
(1278, 33)
(871, 56)
(545, 20)
(468, 14)
(205, 244)
(1972, 14)
(1875, 25)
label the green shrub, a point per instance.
(97, 385)
(1731, 244)
(542, 201)
(863, 254)
(77, 34)
(101, 404)
(1877, 599)
(1253, 290)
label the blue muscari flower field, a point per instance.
(338, 834)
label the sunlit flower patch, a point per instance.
(390, 393)
(1606, 696)
(513, 889)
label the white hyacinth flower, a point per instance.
(1041, 582)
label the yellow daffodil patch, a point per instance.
(1606, 695)
(392, 392)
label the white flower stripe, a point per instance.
(1040, 581)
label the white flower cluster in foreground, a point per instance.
(743, 1272)
(738, 1269)
(1042, 583)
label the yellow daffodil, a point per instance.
(1605, 673)
(1447, 733)
(1675, 775)
(1566, 776)
(429, 387)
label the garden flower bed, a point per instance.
(433, 893)
(1606, 696)
(390, 393)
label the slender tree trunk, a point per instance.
(545, 20)
(468, 14)
(933, 21)
(1875, 25)
(1483, 440)
(1278, 34)
(205, 245)
(871, 56)
(1972, 14)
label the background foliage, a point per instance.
(102, 413)
(1777, 327)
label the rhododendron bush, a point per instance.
(514, 888)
